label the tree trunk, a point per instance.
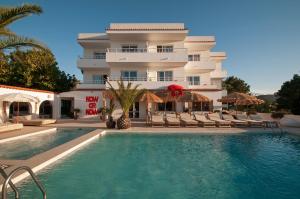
(124, 122)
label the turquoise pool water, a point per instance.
(177, 166)
(25, 148)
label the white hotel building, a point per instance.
(154, 55)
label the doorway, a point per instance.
(134, 110)
(67, 107)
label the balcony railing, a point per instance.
(147, 79)
(93, 82)
(145, 50)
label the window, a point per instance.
(193, 80)
(165, 76)
(129, 75)
(98, 79)
(99, 55)
(129, 48)
(195, 57)
(164, 49)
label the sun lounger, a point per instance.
(28, 121)
(10, 127)
(37, 122)
(252, 123)
(234, 122)
(172, 120)
(203, 121)
(157, 120)
(267, 123)
(187, 120)
(220, 122)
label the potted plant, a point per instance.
(76, 111)
(110, 123)
(126, 96)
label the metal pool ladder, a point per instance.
(8, 181)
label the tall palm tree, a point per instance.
(126, 96)
(8, 15)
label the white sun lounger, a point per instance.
(203, 121)
(233, 121)
(220, 122)
(172, 120)
(187, 120)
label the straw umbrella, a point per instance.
(193, 97)
(241, 99)
(18, 97)
(149, 97)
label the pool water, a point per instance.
(177, 166)
(25, 148)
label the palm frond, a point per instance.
(9, 15)
(6, 32)
(126, 95)
(17, 41)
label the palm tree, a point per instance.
(8, 15)
(126, 96)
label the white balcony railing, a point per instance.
(146, 50)
(218, 74)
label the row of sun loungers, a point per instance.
(208, 120)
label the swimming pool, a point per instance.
(177, 166)
(25, 148)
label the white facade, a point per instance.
(153, 55)
(32, 108)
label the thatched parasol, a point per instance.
(241, 99)
(149, 97)
(189, 96)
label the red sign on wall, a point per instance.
(91, 105)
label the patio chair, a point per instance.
(172, 120)
(157, 119)
(27, 120)
(252, 123)
(219, 121)
(234, 122)
(203, 121)
(187, 120)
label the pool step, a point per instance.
(11, 174)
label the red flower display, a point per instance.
(176, 90)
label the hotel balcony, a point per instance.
(91, 84)
(92, 62)
(150, 83)
(203, 66)
(218, 74)
(147, 57)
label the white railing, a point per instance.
(146, 79)
(93, 82)
(92, 57)
(146, 50)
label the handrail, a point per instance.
(14, 188)
(33, 176)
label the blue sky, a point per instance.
(261, 37)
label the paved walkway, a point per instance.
(23, 131)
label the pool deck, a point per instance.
(50, 157)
